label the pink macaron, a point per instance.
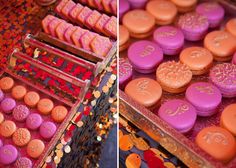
(125, 72)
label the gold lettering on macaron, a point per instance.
(142, 87)
(215, 137)
(180, 110)
(147, 51)
(168, 33)
(205, 89)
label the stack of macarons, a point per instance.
(76, 35)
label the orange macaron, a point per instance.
(221, 44)
(1, 117)
(164, 11)
(18, 92)
(31, 98)
(59, 113)
(139, 23)
(231, 26)
(45, 106)
(198, 59)
(6, 83)
(228, 118)
(21, 137)
(35, 148)
(185, 5)
(7, 128)
(218, 142)
(123, 38)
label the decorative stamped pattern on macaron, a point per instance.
(142, 87)
(148, 50)
(218, 39)
(205, 89)
(215, 137)
(180, 110)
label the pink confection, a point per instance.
(53, 25)
(234, 59)
(61, 29)
(23, 162)
(8, 154)
(47, 129)
(125, 72)
(86, 39)
(68, 34)
(85, 12)
(34, 121)
(20, 113)
(46, 21)
(7, 105)
(77, 35)
(67, 8)
(74, 12)
(60, 6)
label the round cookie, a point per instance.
(18, 92)
(139, 23)
(198, 59)
(1, 117)
(21, 137)
(47, 129)
(123, 38)
(23, 162)
(59, 113)
(228, 118)
(31, 99)
(7, 105)
(34, 121)
(6, 83)
(185, 5)
(7, 128)
(1, 95)
(217, 142)
(221, 44)
(8, 154)
(173, 77)
(45, 106)
(35, 148)
(20, 113)
(231, 26)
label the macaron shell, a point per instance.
(8, 154)
(123, 35)
(31, 98)
(23, 162)
(35, 148)
(59, 113)
(34, 121)
(21, 137)
(45, 106)
(7, 105)
(145, 91)
(228, 118)
(231, 26)
(20, 113)
(7, 128)
(47, 129)
(185, 6)
(6, 83)
(18, 92)
(217, 142)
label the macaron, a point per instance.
(124, 7)
(221, 44)
(35, 148)
(34, 121)
(7, 105)
(1, 117)
(31, 98)
(1, 143)
(137, 4)
(213, 11)
(125, 72)
(228, 118)
(217, 142)
(219, 76)
(8, 154)
(59, 113)
(234, 59)
(7, 128)
(164, 11)
(145, 91)
(47, 129)
(21, 137)
(198, 59)
(180, 114)
(185, 6)
(123, 38)
(170, 39)
(45, 106)
(20, 113)
(18, 92)
(205, 97)
(231, 26)
(139, 23)
(23, 162)
(6, 84)
(173, 77)
(193, 25)
(145, 56)
(1, 95)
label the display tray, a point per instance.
(44, 93)
(182, 146)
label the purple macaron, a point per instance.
(193, 25)
(8, 154)
(234, 59)
(20, 113)
(137, 4)
(213, 11)
(123, 8)
(7, 105)
(145, 56)
(170, 39)
(205, 97)
(125, 72)
(180, 114)
(34, 121)
(1, 95)
(23, 162)
(47, 129)
(223, 76)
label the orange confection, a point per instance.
(139, 23)
(101, 45)
(6, 83)
(173, 77)
(164, 11)
(221, 44)
(145, 91)
(59, 113)
(231, 26)
(84, 13)
(21, 137)
(46, 21)
(91, 3)
(35, 148)
(7, 128)
(125, 143)
(217, 142)
(185, 5)
(60, 6)
(111, 27)
(67, 8)
(53, 25)
(198, 59)
(99, 26)
(228, 118)
(45, 106)
(61, 29)
(133, 161)
(86, 39)
(106, 5)
(18, 92)
(77, 35)
(31, 98)
(74, 12)
(68, 34)
(1, 117)
(92, 19)
(123, 38)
